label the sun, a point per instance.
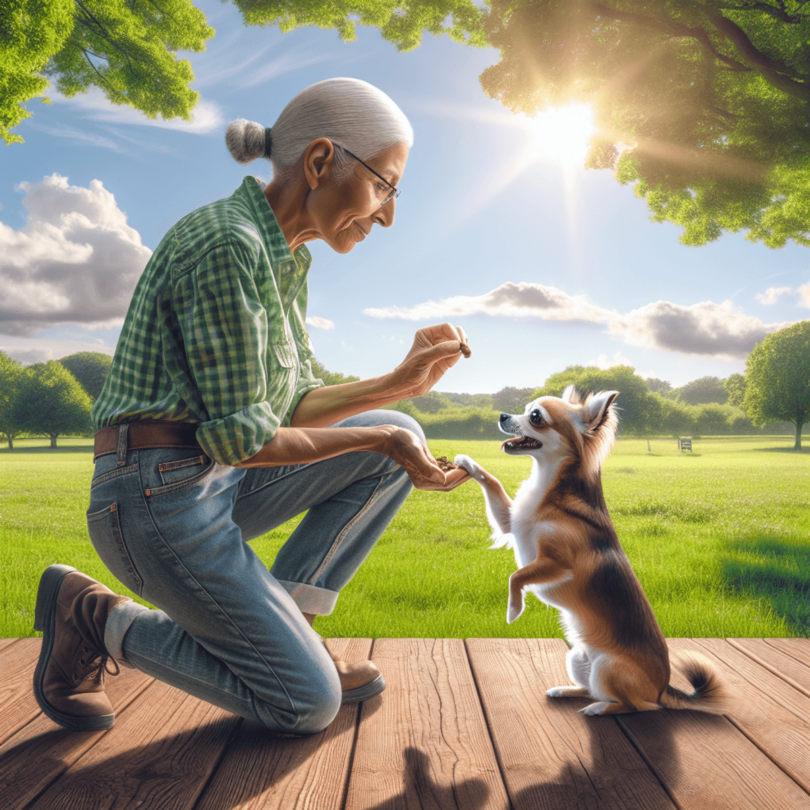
(561, 135)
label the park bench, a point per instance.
(463, 724)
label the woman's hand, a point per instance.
(435, 349)
(405, 447)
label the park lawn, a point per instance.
(720, 540)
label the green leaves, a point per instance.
(702, 107)
(127, 49)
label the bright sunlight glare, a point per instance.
(561, 135)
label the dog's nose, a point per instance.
(505, 417)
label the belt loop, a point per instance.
(121, 454)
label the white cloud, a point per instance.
(69, 133)
(320, 323)
(207, 116)
(804, 295)
(76, 260)
(40, 350)
(605, 362)
(509, 300)
(716, 330)
(712, 330)
(773, 294)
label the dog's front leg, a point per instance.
(497, 501)
(542, 571)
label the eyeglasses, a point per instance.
(383, 195)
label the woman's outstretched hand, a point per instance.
(435, 349)
(405, 447)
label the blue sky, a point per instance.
(543, 263)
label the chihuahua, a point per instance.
(568, 554)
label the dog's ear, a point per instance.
(598, 406)
(570, 395)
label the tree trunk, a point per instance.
(53, 441)
(799, 425)
(10, 443)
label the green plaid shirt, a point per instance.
(215, 333)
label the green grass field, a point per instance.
(719, 539)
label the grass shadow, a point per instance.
(774, 570)
(805, 451)
(87, 448)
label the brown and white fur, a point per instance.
(568, 554)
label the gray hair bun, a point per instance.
(245, 140)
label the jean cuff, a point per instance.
(311, 599)
(118, 622)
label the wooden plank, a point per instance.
(782, 656)
(160, 754)
(17, 704)
(424, 743)
(770, 712)
(6, 642)
(704, 760)
(260, 770)
(551, 756)
(40, 752)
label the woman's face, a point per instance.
(344, 214)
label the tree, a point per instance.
(31, 31)
(677, 419)
(11, 374)
(90, 369)
(125, 48)
(657, 386)
(777, 375)
(328, 377)
(512, 400)
(432, 402)
(703, 391)
(735, 388)
(702, 106)
(639, 409)
(51, 401)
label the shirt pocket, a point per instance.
(283, 376)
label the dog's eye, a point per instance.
(535, 417)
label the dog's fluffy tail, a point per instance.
(710, 695)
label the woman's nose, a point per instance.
(387, 213)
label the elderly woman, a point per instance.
(212, 430)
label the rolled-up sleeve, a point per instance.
(224, 326)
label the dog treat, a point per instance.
(447, 466)
(465, 349)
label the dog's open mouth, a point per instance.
(522, 443)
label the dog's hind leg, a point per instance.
(579, 671)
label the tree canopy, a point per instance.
(51, 401)
(703, 105)
(11, 374)
(90, 369)
(702, 391)
(127, 48)
(777, 376)
(639, 408)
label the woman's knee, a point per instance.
(403, 420)
(316, 702)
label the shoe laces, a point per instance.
(94, 664)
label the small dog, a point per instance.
(568, 554)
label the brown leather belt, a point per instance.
(145, 436)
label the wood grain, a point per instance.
(551, 756)
(424, 743)
(769, 711)
(159, 754)
(782, 656)
(5, 642)
(17, 704)
(261, 770)
(41, 751)
(704, 760)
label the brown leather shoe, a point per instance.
(71, 613)
(359, 681)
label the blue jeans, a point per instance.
(172, 525)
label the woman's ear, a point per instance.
(319, 161)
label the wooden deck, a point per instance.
(462, 724)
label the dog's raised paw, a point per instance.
(466, 463)
(556, 691)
